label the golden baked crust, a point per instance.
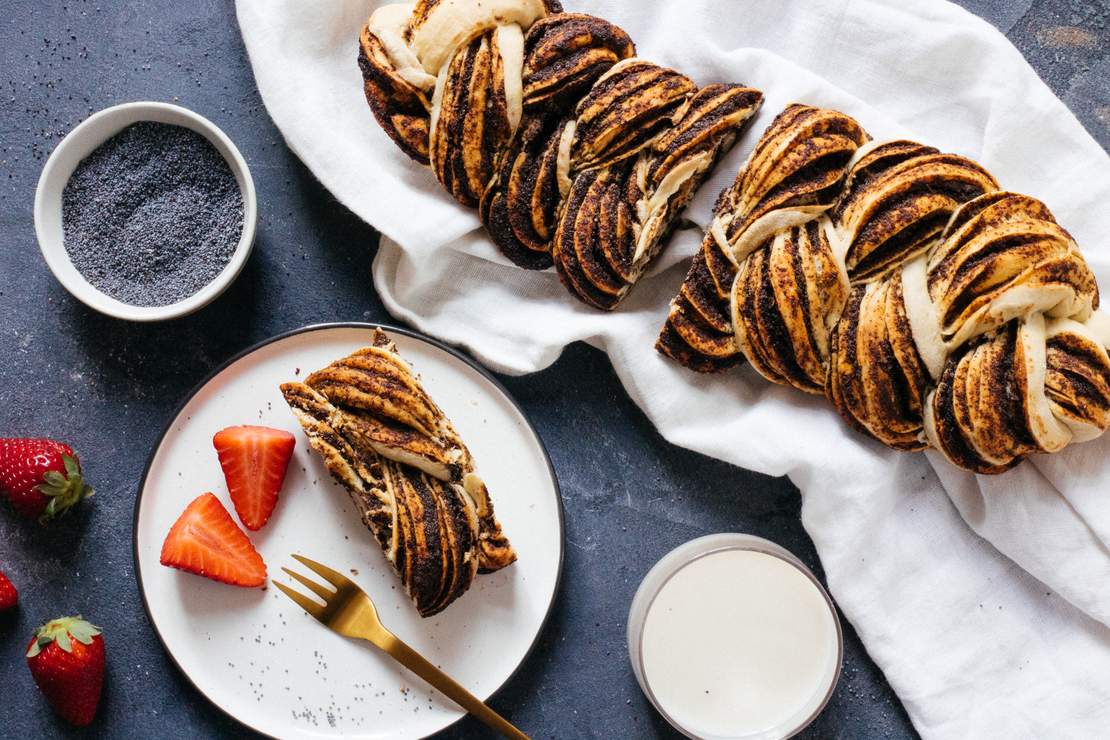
(644, 139)
(400, 108)
(929, 306)
(794, 173)
(576, 154)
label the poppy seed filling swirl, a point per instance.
(576, 153)
(932, 308)
(409, 474)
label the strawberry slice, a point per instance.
(206, 541)
(254, 460)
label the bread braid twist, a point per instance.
(577, 154)
(930, 307)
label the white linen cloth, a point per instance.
(985, 600)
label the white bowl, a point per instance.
(80, 143)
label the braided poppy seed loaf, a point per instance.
(577, 154)
(932, 308)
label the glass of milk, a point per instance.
(731, 636)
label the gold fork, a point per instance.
(350, 612)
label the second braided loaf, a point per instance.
(932, 308)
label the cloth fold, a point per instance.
(984, 600)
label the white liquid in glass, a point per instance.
(739, 643)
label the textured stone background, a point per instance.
(108, 386)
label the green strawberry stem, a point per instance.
(63, 491)
(60, 631)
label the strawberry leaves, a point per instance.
(63, 491)
(62, 632)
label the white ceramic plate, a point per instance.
(265, 662)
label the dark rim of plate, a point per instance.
(324, 327)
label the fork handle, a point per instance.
(447, 686)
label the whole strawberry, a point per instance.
(40, 477)
(66, 657)
(8, 595)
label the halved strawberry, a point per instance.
(254, 460)
(206, 541)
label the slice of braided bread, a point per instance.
(932, 308)
(578, 154)
(406, 469)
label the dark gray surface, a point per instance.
(108, 387)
